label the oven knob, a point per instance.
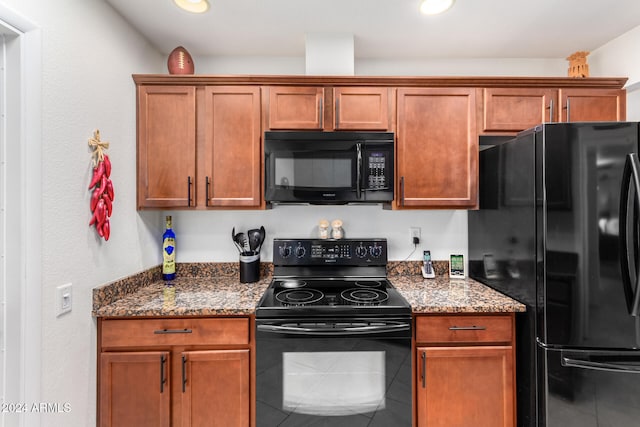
(361, 251)
(375, 250)
(285, 251)
(300, 251)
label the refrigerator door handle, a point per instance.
(611, 366)
(628, 250)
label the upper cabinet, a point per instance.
(516, 109)
(361, 108)
(326, 108)
(511, 110)
(230, 155)
(437, 152)
(593, 105)
(166, 146)
(200, 137)
(199, 147)
(295, 108)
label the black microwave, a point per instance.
(328, 167)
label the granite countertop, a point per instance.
(205, 289)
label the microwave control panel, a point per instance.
(377, 178)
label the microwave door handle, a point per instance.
(358, 170)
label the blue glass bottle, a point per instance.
(168, 252)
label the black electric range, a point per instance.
(331, 278)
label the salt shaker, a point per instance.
(323, 229)
(336, 229)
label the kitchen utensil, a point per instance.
(262, 236)
(237, 240)
(254, 239)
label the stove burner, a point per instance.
(366, 296)
(301, 297)
(292, 284)
(369, 283)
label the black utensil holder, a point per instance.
(249, 268)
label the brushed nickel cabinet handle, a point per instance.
(189, 191)
(184, 373)
(208, 185)
(173, 331)
(163, 379)
(467, 328)
(550, 111)
(320, 115)
(423, 376)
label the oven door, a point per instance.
(335, 372)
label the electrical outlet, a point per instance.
(415, 235)
(64, 299)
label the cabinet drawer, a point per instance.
(169, 332)
(463, 329)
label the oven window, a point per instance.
(316, 172)
(333, 383)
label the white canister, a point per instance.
(336, 229)
(323, 229)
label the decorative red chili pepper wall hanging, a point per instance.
(102, 196)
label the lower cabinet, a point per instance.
(465, 374)
(174, 372)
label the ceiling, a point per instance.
(386, 29)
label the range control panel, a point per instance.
(357, 252)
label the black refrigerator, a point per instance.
(558, 230)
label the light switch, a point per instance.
(64, 299)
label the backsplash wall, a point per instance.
(205, 236)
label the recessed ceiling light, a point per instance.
(433, 7)
(193, 6)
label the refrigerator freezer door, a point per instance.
(590, 389)
(580, 167)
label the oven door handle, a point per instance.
(328, 330)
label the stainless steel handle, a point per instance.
(423, 376)
(627, 262)
(189, 191)
(208, 185)
(376, 329)
(402, 191)
(551, 111)
(611, 366)
(358, 170)
(163, 379)
(467, 328)
(320, 115)
(337, 112)
(173, 331)
(184, 373)
(568, 110)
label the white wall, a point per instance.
(620, 57)
(88, 56)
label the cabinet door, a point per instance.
(135, 389)
(593, 105)
(465, 386)
(166, 146)
(514, 110)
(437, 150)
(216, 388)
(295, 108)
(231, 154)
(361, 108)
